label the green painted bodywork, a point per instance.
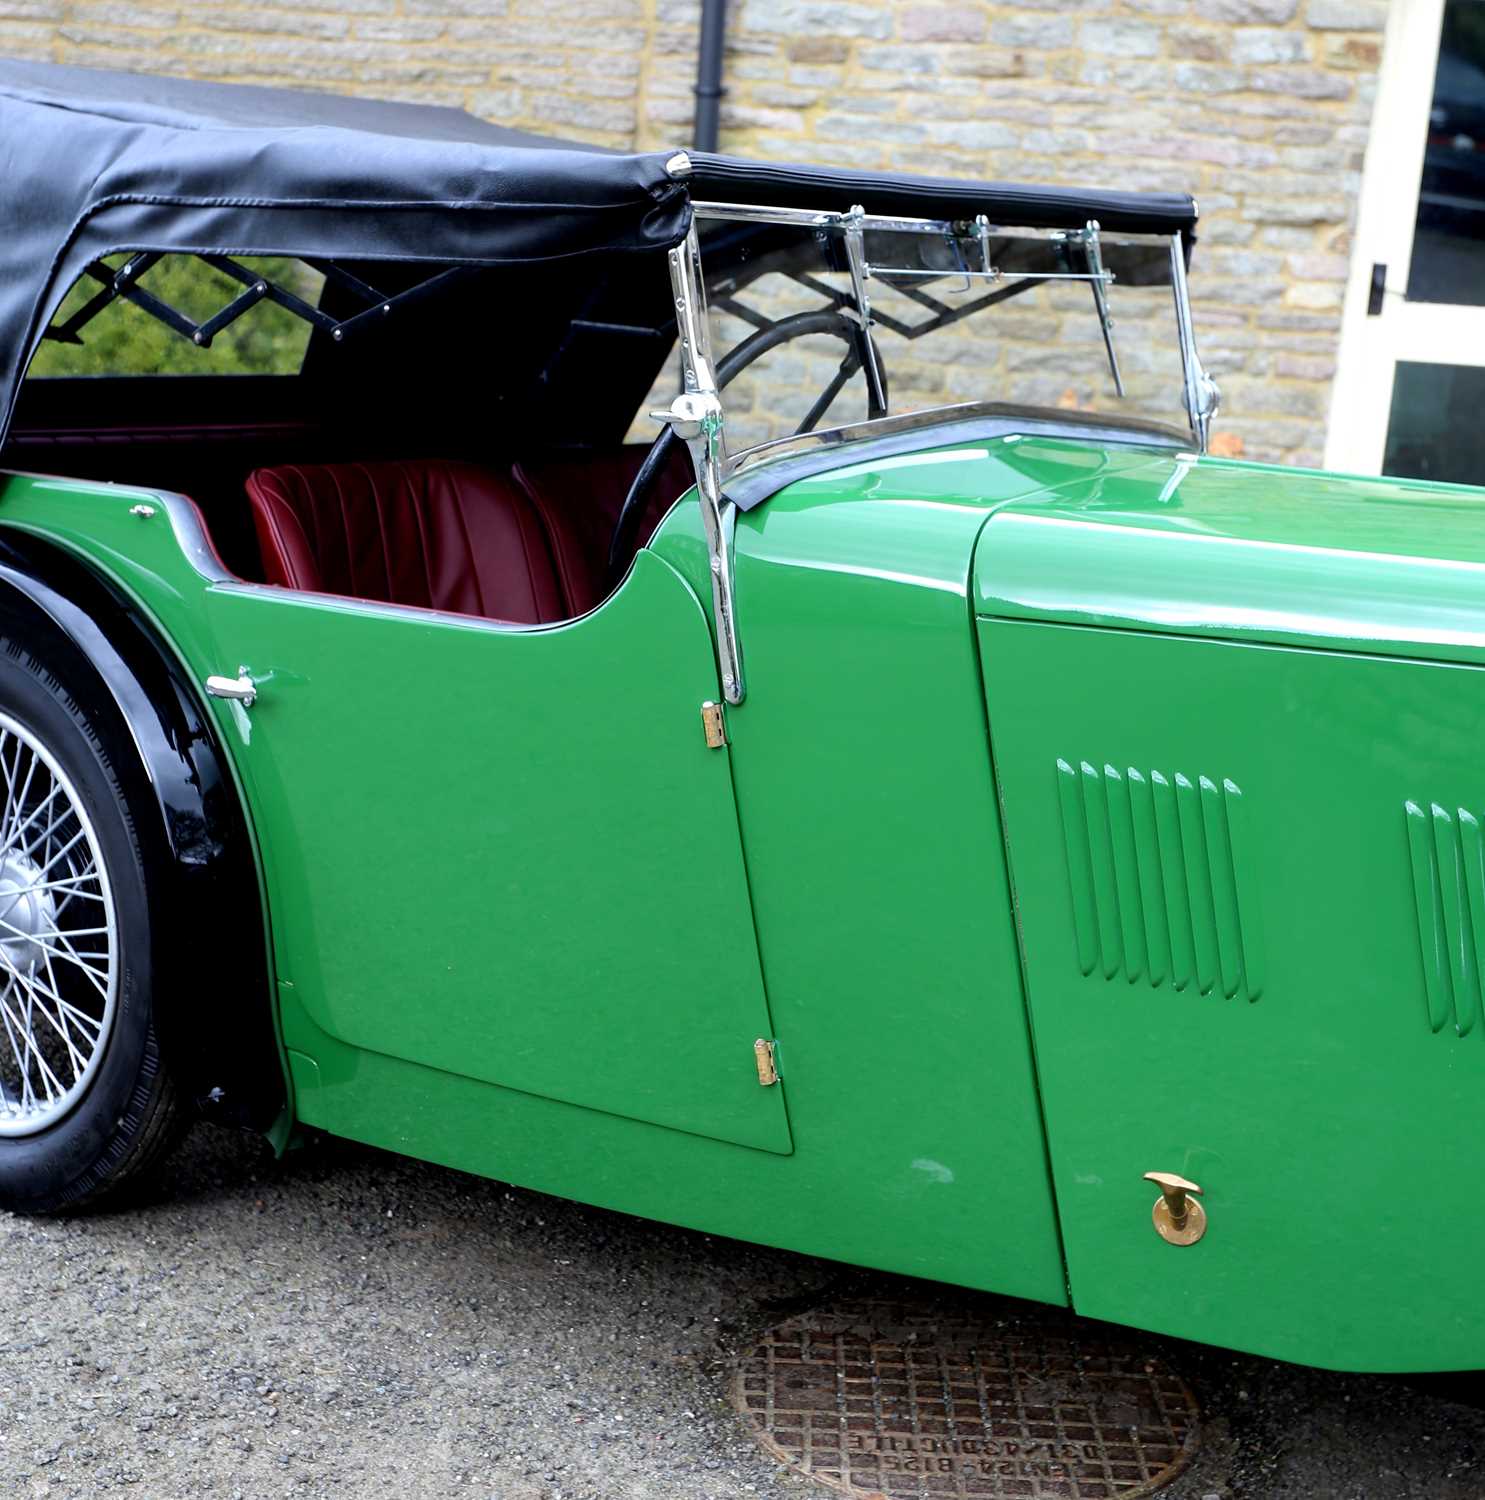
(1244, 552)
(533, 763)
(1214, 724)
(1236, 717)
(474, 851)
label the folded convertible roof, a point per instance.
(94, 162)
(130, 99)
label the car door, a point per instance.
(508, 853)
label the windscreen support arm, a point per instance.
(1088, 238)
(696, 419)
(855, 243)
(1202, 395)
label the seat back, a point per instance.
(579, 496)
(435, 533)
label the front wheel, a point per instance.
(86, 1100)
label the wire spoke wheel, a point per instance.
(58, 939)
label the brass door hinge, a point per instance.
(768, 1072)
(712, 725)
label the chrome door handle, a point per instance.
(237, 689)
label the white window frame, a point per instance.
(1422, 332)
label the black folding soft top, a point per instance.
(96, 162)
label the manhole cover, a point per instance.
(933, 1403)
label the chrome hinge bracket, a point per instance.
(695, 416)
(854, 241)
(982, 234)
(1101, 279)
(1202, 395)
(713, 726)
(763, 1055)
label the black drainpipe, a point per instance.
(709, 88)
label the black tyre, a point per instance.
(87, 1103)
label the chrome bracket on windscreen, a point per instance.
(695, 417)
(1202, 395)
(1100, 279)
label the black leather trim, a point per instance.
(1007, 204)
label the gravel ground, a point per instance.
(349, 1324)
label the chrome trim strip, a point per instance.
(752, 213)
(415, 612)
(191, 537)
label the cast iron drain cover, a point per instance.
(896, 1402)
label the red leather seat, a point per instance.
(434, 533)
(579, 496)
(528, 545)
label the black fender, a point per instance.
(213, 1000)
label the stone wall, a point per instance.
(1259, 107)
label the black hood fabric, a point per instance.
(95, 162)
(1008, 205)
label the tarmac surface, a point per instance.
(349, 1324)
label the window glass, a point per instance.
(785, 336)
(1434, 431)
(1448, 263)
(124, 339)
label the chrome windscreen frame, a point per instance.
(697, 416)
(696, 419)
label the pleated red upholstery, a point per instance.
(435, 533)
(579, 496)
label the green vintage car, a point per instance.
(912, 811)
